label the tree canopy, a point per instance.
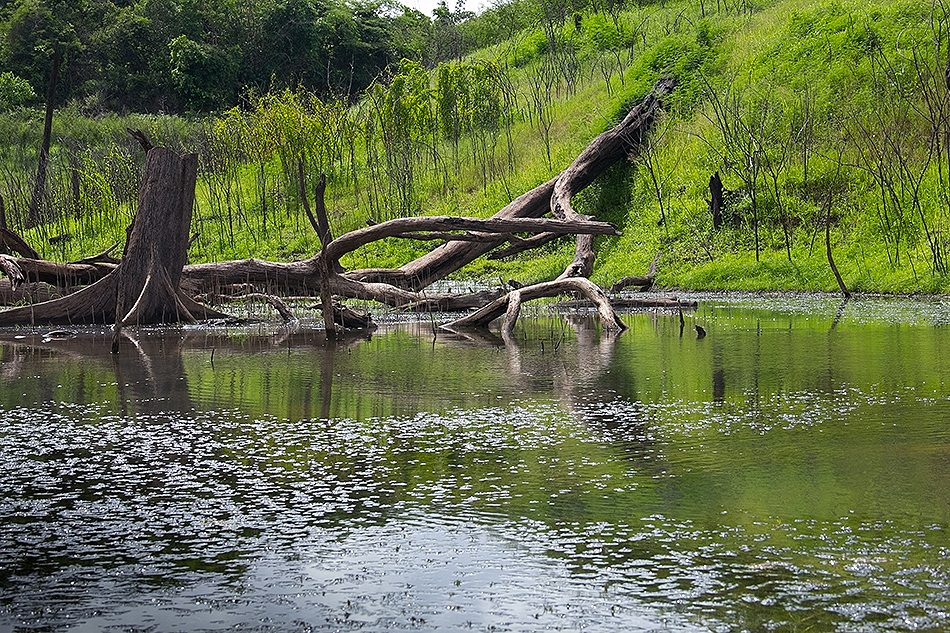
(199, 55)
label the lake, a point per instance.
(789, 471)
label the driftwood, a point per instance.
(509, 305)
(644, 282)
(23, 269)
(622, 141)
(151, 282)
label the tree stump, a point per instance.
(144, 288)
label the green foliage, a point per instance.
(812, 111)
(14, 92)
(202, 74)
(168, 55)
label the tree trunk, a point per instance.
(155, 252)
(39, 187)
(144, 287)
(715, 200)
(621, 141)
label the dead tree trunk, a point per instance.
(39, 187)
(715, 200)
(622, 141)
(510, 304)
(618, 143)
(155, 253)
(144, 287)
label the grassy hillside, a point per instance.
(812, 111)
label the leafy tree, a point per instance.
(203, 74)
(14, 91)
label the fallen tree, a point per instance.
(150, 283)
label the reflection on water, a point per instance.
(791, 470)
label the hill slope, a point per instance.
(813, 112)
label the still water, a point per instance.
(790, 471)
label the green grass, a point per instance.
(774, 54)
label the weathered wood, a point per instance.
(149, 275)
(105, 257)
(451, 257)
(451, 302)
(407, 227)
(510, 304)
(11, 293)
(350, 319)
(54, 273)
(144, 287)
(141, 138)
(625, 140)
(645, 282)
(303, 277)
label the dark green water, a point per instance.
(791, 471)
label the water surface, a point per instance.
(790, 471)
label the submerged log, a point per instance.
(510, 304)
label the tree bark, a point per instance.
(144, 287)
(715, 200)
(39, 187)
